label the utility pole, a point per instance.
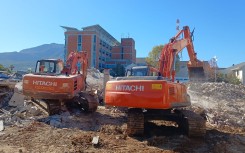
(215, 68)
(213, 64)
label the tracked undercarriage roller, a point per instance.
(84, 101)
(135, 123)
(87, 102)
(189, 122)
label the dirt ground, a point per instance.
(27, 129)
(74, 132)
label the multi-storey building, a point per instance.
(123, 54)
(104, 51)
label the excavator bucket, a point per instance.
(196, 74)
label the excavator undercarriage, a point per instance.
(189, 123)
(85, 101)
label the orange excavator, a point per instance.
(54, 84)
(159, 97)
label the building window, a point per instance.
(79, 39)
(122, 53)
(79, 42)
(94, 38)
(65, 48)
(237, 72)
(79, 47)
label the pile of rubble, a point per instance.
(220, 91)
(224, 103)
(95, 79)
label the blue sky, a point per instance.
(219, 25)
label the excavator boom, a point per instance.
(196, 68)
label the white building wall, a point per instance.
(243, 76)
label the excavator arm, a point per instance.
(76, 62)
(170, 50)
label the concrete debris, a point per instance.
(95, 140)
(55, 121)
(95, 81)
(18, 98)
(223, 103)
(1, 125)
(220, 91)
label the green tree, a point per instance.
(231, 78)
(154, 55)
(2, 68)
(227, 78)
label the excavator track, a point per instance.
(135, 123)
(49, 106)
(193, 124)
(84, 101)
(88, 103)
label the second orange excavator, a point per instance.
(160, 97)
(54, 84)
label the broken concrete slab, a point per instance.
(1, 125)
(95, 140)
(18, 98)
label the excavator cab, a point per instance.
(49, 66)
(138, 71)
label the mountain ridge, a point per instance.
(26, 58)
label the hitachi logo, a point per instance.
(45, 83)
(129, 88)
